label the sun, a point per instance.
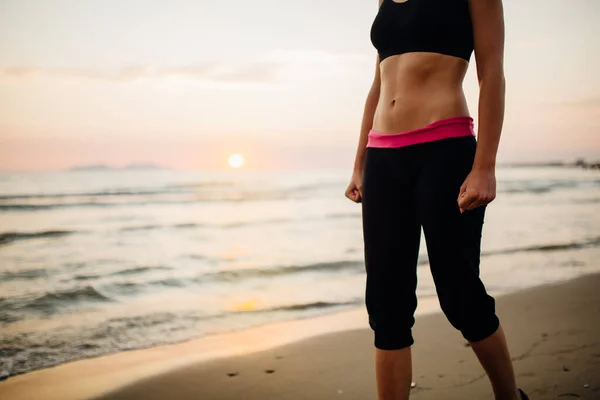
(236, 160)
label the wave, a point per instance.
(203, 185)
(36, 207)
(82, 194)
(343, 216)
(13, 309)
(586, 201)
(68, 297)
(53, 302)
(315, 186)
(358, 266)
(186, 225)
(315, 305)
(184, 188)
(126, 272)
(423, 259)
(537, 187)
(137, 270)
(198, 199)
(190, 194)
(200, 225)
(131, 192)
(249, 223)
(303, 306)
(334, 266)
(23, 275)
(140, 228)
(167, 189)
(136, 287)
(28, 351)
(349, 266)
(229, 191)
(8, 237)
(145, 320)
(548, 247)
(242, 223)
(131, 288)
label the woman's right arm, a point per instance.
(367, 119)
(354, 191)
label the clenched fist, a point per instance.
(354, 191)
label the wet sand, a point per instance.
(553, 333)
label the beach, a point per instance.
(99, 262)
(553, 332)
(178, 210)
(163, 283)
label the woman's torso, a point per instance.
(425, 46)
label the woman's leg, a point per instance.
(453, 245)
(493, 355)
(393, 371)
(392, 237)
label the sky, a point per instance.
(185, 83)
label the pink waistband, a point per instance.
(442, 129)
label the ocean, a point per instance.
(101, 261)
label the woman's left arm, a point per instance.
(488, 32)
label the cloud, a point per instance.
(260, 72)
(590, 102)
(251, 73)
(586, 111)
(277, 66)
(21, 72)
(530, 44)
(314, 63)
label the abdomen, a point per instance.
(418, 89)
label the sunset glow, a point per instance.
(135, 93)
(236, 161)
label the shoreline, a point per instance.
(92, 377)
(226, 343)
(95, 375)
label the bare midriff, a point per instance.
(418, 89)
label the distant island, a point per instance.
(579, 163)
(105, 167)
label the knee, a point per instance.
(391, 334)
(391, 311)
(476, 320)
(391, 325)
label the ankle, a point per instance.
(521, 395)
(508, 395)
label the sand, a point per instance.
(553, 333)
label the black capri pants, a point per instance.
(404, 189)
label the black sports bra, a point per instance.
(438, 26)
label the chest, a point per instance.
(416, 16)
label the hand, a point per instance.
(478, 189)
(354, 191)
